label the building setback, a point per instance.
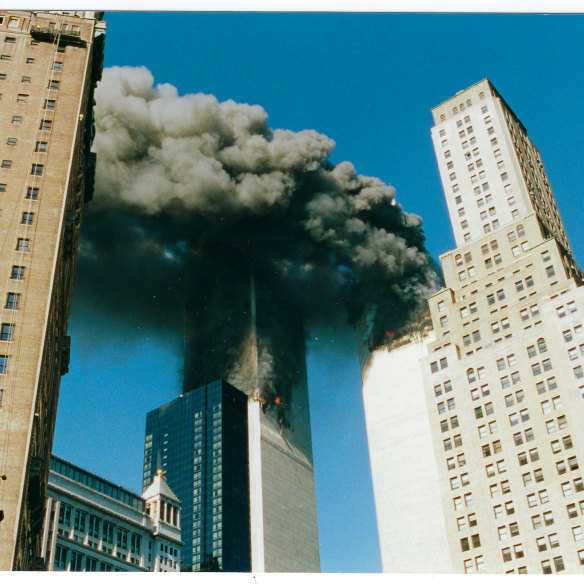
(498, 381)
(49, 65)
(200, 442)
(92, 525)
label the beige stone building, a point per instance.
(498, 381)
(93, 525)
(49, 65)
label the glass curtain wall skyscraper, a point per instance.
(200, 442)
(495, 386)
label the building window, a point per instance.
(79, 523)
(27, 218)
(11, 141)
(60, 557)
(17, 273)
(53, 84)
(3, 364)
(6, 331)
(45, 125)
(122, 539)
(93, 526)
(6, 163)
(57, 66)
(49, 104)
(108, 532)
(36, 170)
(32, 193)
(41, 146)
(22, 244)
(76, 564)
(12, 301)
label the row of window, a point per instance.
(441, 364)
(53, 84)
(84, 522)
(488, 450)
(489, 262)
(75, 561)
(39, 147)
(45, 126)
(462, 107)
(564, 310)
(32, 193)
(36, 169)
(508, 552)
(511, 530)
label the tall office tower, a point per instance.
(49, 65)
(259, 348)
(199, 441)
(498, 382)
(92, 525)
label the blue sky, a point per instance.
(368, 81)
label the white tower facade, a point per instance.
(503, 376)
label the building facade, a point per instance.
(92, 525)
(49, 65)
(259, 348)
(501, 372)
(200, 442)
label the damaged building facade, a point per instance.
(245, 471)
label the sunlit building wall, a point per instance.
(502, 377)
(49, 65)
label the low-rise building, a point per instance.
(93, 525)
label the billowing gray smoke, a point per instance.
(195, 197)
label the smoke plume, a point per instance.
(194, 198)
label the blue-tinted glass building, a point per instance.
(200, 442)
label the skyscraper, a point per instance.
(200, 442)
(259, 349)
(49, 65)
(494, 398)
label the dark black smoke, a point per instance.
(194, 196)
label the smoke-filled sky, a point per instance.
(190, 190)
(182, 174)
